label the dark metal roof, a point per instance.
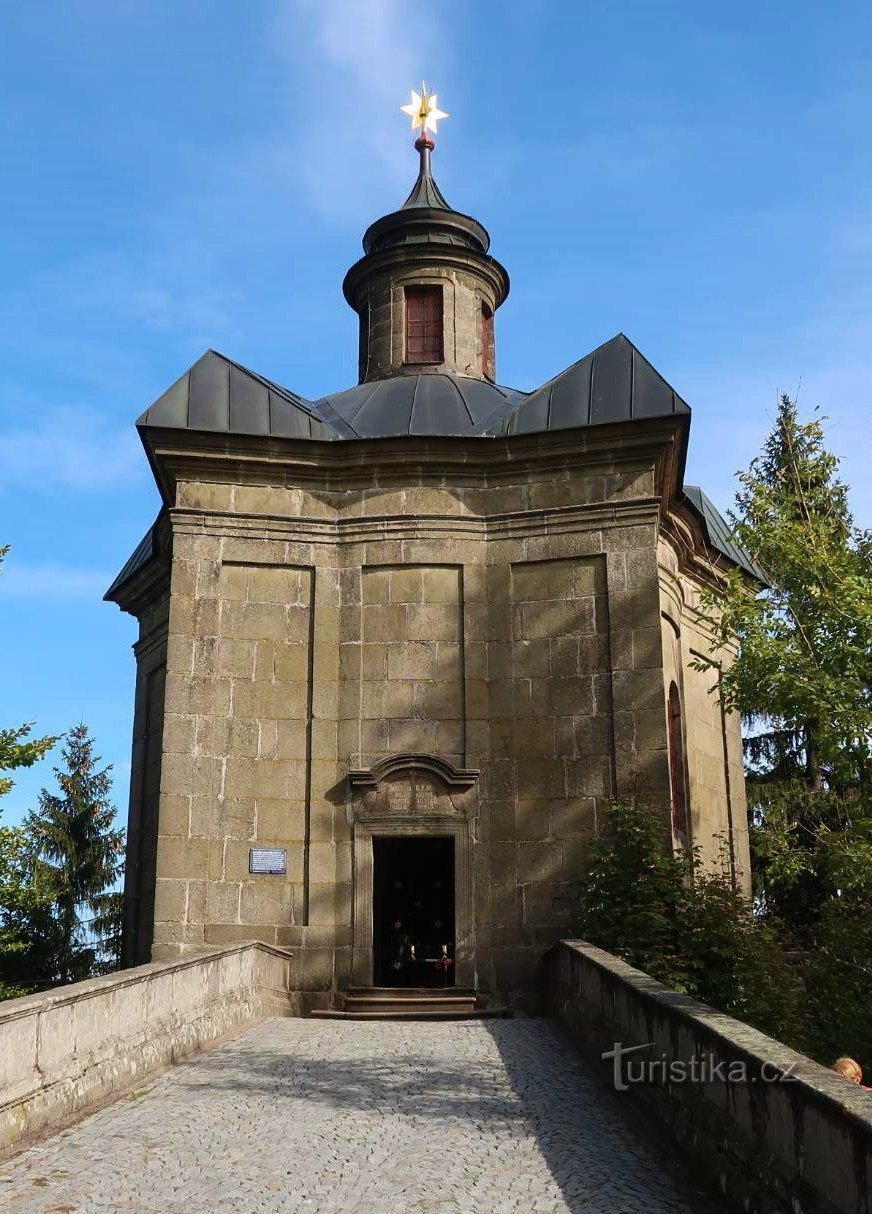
(417, 404)
(425, 192)
(425, 217)
(718, 531)
(141, 555)
(219, 395)
(615, 383)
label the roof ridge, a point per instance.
(456, 388)
(288, 394)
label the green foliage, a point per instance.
(804, 669)
(78, 855)
(803, 682)
(18, 749)
(839, 982)
(28, 930)
(631, 891)
(683, 924)
(796, 834)
(106, 929)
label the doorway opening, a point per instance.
(413, 911)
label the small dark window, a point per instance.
(487, 341)
(423, 324)
(676, 766)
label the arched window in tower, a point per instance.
(487, 341)
(423, 324)
(680, 823)
(363, 343)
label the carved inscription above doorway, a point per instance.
(413, 786)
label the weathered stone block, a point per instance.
(280, 819)
(268, 900)
(532, 819)
(414, 660)
(222, 901)
(432, 622)
(382, 623)
(534, 738)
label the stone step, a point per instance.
(411, 992)
(489, 1013)
(410, 1003)
(406, 1003)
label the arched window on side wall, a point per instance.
(680, 822)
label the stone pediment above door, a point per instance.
(413, 785)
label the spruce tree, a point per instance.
(804, 670)
(79, 852)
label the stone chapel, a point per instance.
(399, 646)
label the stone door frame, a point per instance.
(460, 830)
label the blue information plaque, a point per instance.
(268, 860)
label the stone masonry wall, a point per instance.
(714, 770)
(412, 661)
(462, 296)
(145, 768)
(548, 704)
(509, 624)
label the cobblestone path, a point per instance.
(355, 1118)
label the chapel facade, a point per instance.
(399, 646)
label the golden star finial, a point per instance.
(423, 110)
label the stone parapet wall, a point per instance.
(68, 1049)
(803, 1145)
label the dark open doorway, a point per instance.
(413, 911)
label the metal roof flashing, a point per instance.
(718, 532)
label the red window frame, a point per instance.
(424, 325)
(487, 340)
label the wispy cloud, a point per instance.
(67, 447)
(353, 64)
(51, 583)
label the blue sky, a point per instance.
(186, 175)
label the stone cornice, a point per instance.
(419, 256)
(145, 587)
(451, 462)
(522, 524)
(682, 528)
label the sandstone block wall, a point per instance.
(509, 623)
(383, 337)
(714, 769)
(142, 824)
(411, 678)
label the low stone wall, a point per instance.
(803, 1146)
(68, 1049)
